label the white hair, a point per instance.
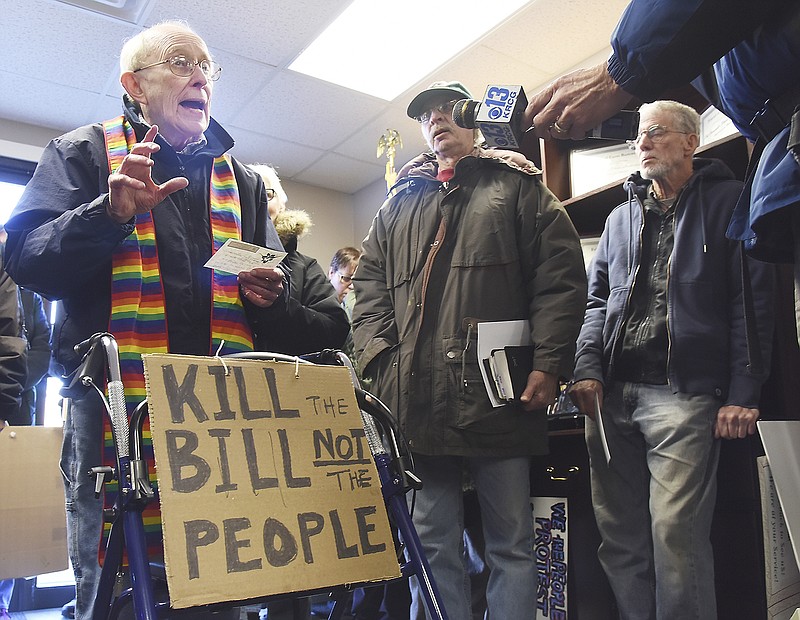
(137, 50)
(270, 176)
(686, 118)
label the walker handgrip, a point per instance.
(119, 417)
(83, 347)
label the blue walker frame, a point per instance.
(100, 357)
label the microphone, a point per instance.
(498, 115)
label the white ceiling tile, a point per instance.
(272, 32)
(298, 108)
(340, 173)
(61, 71)
(241, 80)
(484, 65)
(32, 101)
(287, 157)
(363, 145)
(105, 108)
(555, 35)
(61, 43)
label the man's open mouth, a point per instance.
(193, 104)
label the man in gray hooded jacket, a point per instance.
(663, 355)
(468, 235)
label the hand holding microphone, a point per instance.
(500, 117)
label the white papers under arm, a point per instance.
(780, 439)
(496, 335)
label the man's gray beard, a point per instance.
(655, 173)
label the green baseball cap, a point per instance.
(420, 103)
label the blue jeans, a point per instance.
(6, 590)
(503, 489)
(655, 500)
(80, 451)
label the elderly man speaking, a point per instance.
(154, 190)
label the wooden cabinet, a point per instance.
(589, 211)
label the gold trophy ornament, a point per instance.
(388, 143)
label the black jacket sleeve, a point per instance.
(37, 331)
(12, 347)
(314, 319)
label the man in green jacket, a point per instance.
(466, 236)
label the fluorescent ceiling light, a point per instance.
(383, 47)
(127, 10)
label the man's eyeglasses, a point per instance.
(344, 278)
(444, 108)
(271, 193)
(656, 133)
(183, 67)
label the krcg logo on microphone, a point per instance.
(495, 115)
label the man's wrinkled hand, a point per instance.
(583, 394)
(131, 189)
(735, 422)
(261, 287)
(540, 390)
(574, 103)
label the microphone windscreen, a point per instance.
(464, 112)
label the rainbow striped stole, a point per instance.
(138, 319)
(228, 322)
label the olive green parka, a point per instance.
(492, 244)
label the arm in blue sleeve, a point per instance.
(663, 44)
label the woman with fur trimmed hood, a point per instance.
(316, 321)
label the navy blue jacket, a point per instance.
(755, 50)
(705, 316)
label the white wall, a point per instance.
(22, 141)
(332, 215)
(366, 203)
(26, 134)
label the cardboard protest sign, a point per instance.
(266, 481)
(33, 522)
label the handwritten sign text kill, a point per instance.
(267, 484)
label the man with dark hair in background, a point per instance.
(343, 267)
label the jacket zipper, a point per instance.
(624, 314)
(669, 296)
